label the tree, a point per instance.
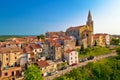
(115, 41)
(118, 50)
(33, 73)
(95, 43)
(42, 36)
(38, 37)
(82, 49)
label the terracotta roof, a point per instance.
(9, 50)
(42, 63)
(22, 50)
(57, 45)
(28, 49)
(100, 34)
(35, 46)
(68, 51)
(74, 28)
(56, 33)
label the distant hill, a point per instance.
(4, 37)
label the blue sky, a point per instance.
(33, 17)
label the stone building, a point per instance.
(53, 49)
(10, 67)
(82, 32)
(69, 43)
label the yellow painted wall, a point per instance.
(85, 27)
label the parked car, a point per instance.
(74, 64)
(64, 60)
(52, 73)
(63, 68)
(90, 58)
(83, 60)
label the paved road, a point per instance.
(62, 72)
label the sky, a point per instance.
(34, 17)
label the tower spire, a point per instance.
(89, 19)
(89, 15)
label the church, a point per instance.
(83, 33)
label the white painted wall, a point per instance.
(71, 57)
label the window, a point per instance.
(6, 74)
(71, 61)
(6, 54)
(76, 53)
(87, 35)
(75, 57)
(7, 64)
(13, 78)
(6, 58)
(12, 73)
(45, 67)
(15, 57)
(75, 61)
(71, 58)
(40, 50)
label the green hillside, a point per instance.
(106, 69)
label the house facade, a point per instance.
(71, 57)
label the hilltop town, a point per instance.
(51, 52)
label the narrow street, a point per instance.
(62, 72)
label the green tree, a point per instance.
(106, 69)
(115, 41)
(42, 36)
(82, 49)
(95, 43)
(118, 50)
(64, 78)
(38, 37)
(33, 73)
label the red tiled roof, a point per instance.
(35, 46)
(100, 34)
(55, 33)
(74, 28)
(23, 50)
(68, 51)
(9, 50)
(28, 49)
(57, 45)
(42, 63)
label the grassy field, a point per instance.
(95, 51)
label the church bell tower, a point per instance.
(89, 20)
